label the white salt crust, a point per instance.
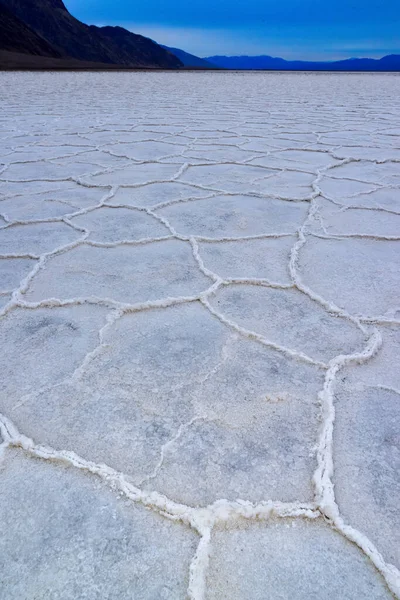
(220, 165)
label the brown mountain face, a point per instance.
(113, 45)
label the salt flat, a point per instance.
(199, 336)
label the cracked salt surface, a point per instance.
(55, 511)
(199, 331)
(289, 559)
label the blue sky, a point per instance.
(304, 29)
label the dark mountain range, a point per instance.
(43, 34)
(71, 39)
(16, 36)
(190, 60)
(270, 63)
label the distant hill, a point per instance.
(189, 60)
(71, 39)
(270, 63)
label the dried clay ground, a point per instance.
(199, 334)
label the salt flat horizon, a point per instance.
(199, 327)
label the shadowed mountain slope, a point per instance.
(16, 36)
(114, 45)
(190, 60)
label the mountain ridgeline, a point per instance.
(42, 34)
(270, 63)
(189, 60)
(46, 28)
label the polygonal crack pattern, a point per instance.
(199, 327)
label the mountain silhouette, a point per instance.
(43, 34)
(72, 39)
(270, 63)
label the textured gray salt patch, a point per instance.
(101, 160)
(230, 178)
(117, 139)
(155, 193)
(42, 206)
(241, 419)
(299, 132)
(112, 224)
(383, 198)
(146, 150)
(36, 238)
(18, 141)
(77, 196)
(360, 276)
(279, 142)
(287, 559)
(38, 153)
(260, 145)
(393, 131)
(386, 141)
(366, 446)
(259, 258)
(290, 319)
(208, 133)
(60, 139)
(345, 139)
(252, 128)
(289, 184)
(4, 300)
(66, 535)
(43, 346)
(357, 131)
(18, 188)
(292, 125)
(306, 137)
(46, 170)
(360, 153)
(382, 369)
(12, 271)
(177, 160)
(135, 174)
(322, 147)
(367, 222)
(173, 128)
(216, 140)
(386, 173)
(125, 273)
(284, 184)
(111, 161)
(259, 450)
(214, 152)
(304, 160)
(235, 216)
(339, 189)
(367, 464)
